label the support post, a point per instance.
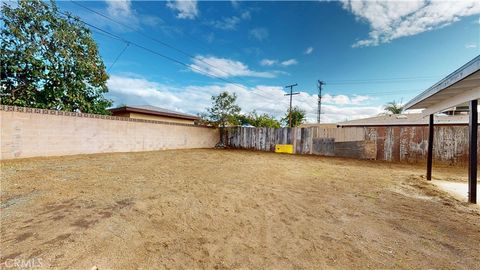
(430, 147)
(472, 161)
(319, 108)
(290, 108)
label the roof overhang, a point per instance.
(127, 109)
(456, 89)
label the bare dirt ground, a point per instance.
(232, 209)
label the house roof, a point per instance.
(322, 125)
(153, 110)
(458, 88)
(411, 119)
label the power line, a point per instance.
(118, 56)
(128, 43)
(114, 36)
(377, 93)
(383, 80)
(107, 34)
(153, 38)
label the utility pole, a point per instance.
(319, 112)
(290, 109)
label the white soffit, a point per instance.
(458, 88)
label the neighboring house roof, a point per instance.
(322, 125)
(152, 110)
(412, 119)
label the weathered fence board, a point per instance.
(323, 146)
(405, 144)
(357, 149)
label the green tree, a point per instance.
(265, 120)
(256, 120)
(241, 119)
(203, 119)
(262, 120)
(298, 117)
(50, 61)
(393, 107)
(223, 111)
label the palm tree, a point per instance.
(393, 107)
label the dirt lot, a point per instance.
(232, 209)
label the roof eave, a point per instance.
(151, 112)
(464, 71)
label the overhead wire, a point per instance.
(383, 80)
(209, 74)
(118, 56)
(153, 39)
(387, 92)
(111, 35)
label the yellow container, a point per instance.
(284, 148)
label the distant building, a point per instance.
(148, 112)
(308, 125)
(457, 110)
(412, 119)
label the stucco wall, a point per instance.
(27, 132)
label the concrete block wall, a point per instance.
(28, 132)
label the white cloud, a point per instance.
(339, 99)
(471, 45)
(289, 62)
(262, 98)
(268, 62)
(308, 50)
(259, 33)
(390, 20)
(122, 11)
(225, 68)
(246, 15)
(187, 9)
(229, 23)
(235, 3)
(276, 62)
(210, 37)
(344, 99)
(357, 99)
(119, 8)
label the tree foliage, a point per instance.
(298, 117)
(223, 109)
(393, 107)
(223, 112)
(50, 61)
(257, 120)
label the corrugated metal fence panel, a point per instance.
(355, 149)
(405, 144)
(349, 134)
(323, 146)
(450, 144)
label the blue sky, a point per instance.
(367, 52)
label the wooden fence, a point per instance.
(395, 143)
(317, 141)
